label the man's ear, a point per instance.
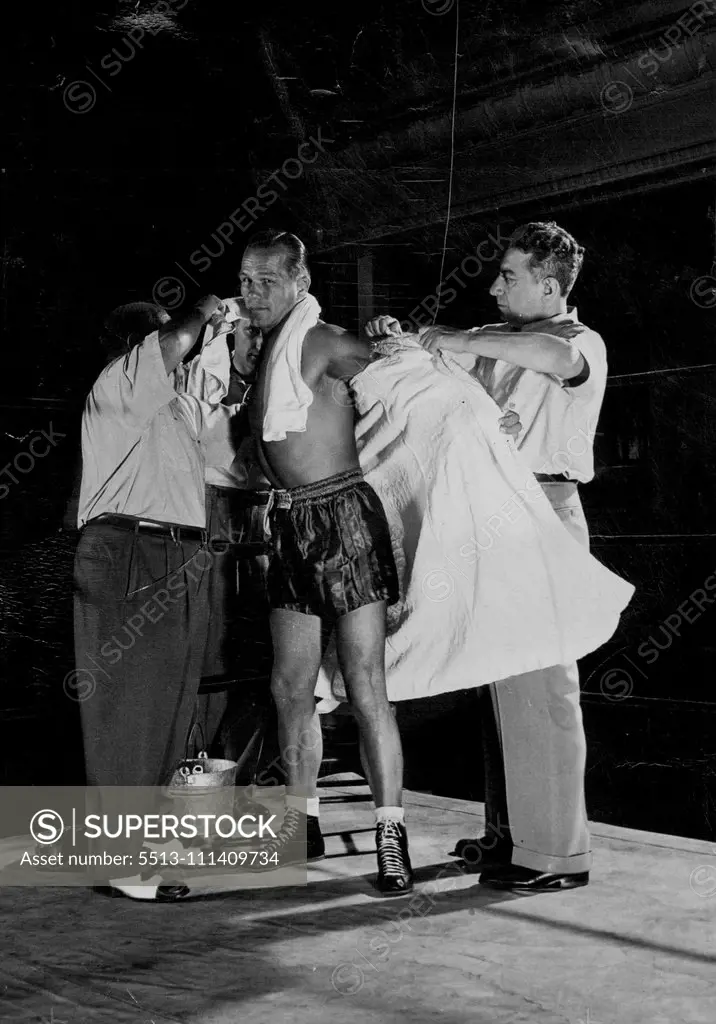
(304, 285)
(550, 286)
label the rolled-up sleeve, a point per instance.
(592, 378)
(136, 386)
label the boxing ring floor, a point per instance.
(637, 945)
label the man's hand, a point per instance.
(383, 327)
(447, 339)
(211, 307)
(510, 424)
(223, 316)
(178, 337)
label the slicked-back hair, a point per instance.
(296, 255)
(553, 252)
(129, 324)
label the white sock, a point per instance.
(390, 814)
(307, 805)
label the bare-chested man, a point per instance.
(332, 565)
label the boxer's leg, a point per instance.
(361, 656)
(297, 659)
(360, 641)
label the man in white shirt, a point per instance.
(552, 369)
(141, 562)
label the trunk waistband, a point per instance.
(286, 497)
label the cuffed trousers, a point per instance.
(535, 749)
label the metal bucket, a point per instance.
(203, 784)
(204, 773)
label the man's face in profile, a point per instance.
(520, 294)
(268, 290)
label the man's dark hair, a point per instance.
(553, 252)
(127, 325)
(296, 255)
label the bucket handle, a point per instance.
(197, 769)
(190, 736)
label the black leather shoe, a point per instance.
(395, 874)
(315, 844)
(288, 846)
(518, 879)
(146, 894)
(171, 893)
(483, 852)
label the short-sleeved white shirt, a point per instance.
(559, 418)
(207, 377)
(144, 447)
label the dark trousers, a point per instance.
(496, 818)
(239, 637)
(140, 634)
(239, 634)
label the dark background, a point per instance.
(103, 204)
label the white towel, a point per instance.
(207, 375)
(491, 583)
(286, 395)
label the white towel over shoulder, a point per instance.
(286, 395)
(491, 583)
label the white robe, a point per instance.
(491, 583)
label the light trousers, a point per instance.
(535, 757)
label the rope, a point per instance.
(662, 700)
(619, 537)
(652, 373)
(452, 154)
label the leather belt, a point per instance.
(252, 498)
(133, 524)
(243, 496)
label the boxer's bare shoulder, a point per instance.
(333, 351)
(330, 357)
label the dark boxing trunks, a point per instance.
(331, 548)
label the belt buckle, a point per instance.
(283, 499)
(277, 499)
(147, 524)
